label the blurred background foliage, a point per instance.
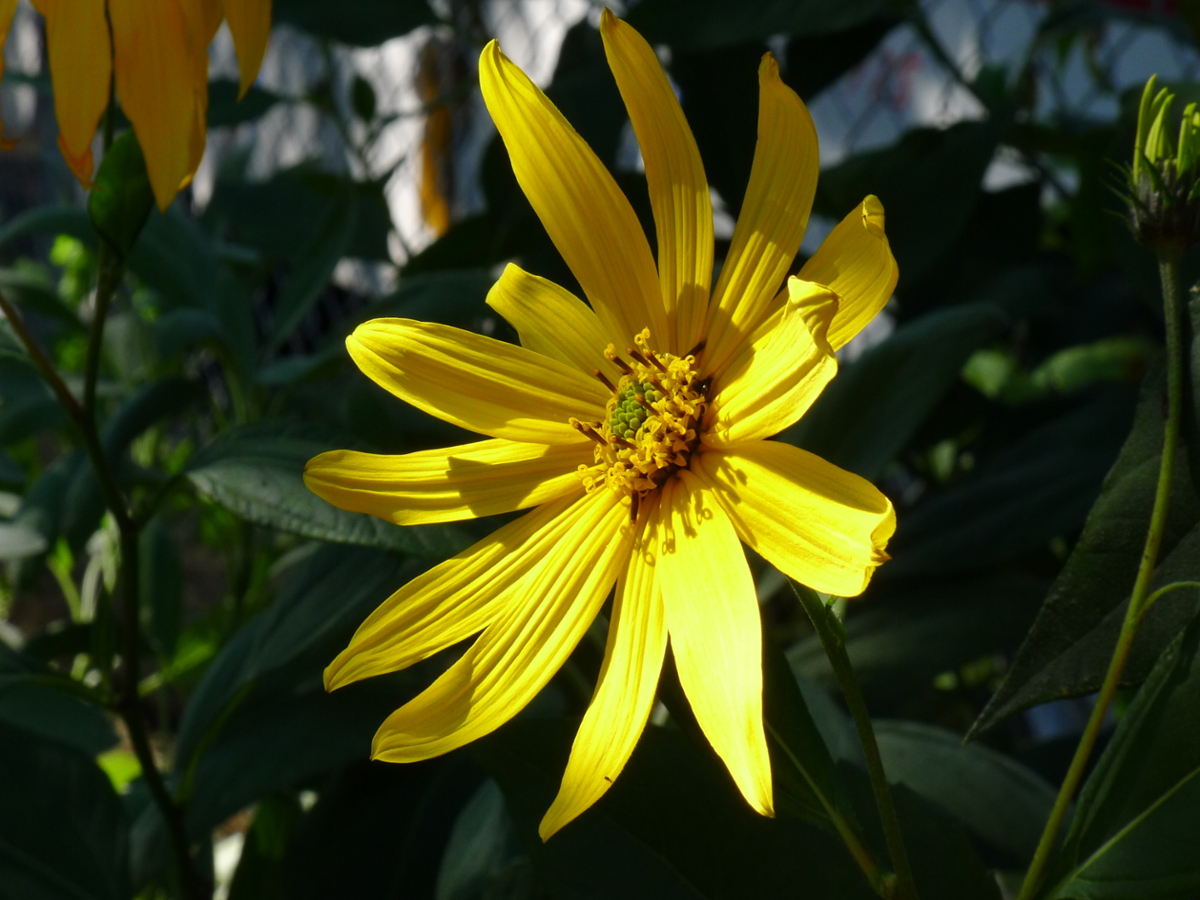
(1013, 372)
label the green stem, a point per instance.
(833, 638)
(111, 269)
(1139, 602)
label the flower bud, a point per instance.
(1164, 180)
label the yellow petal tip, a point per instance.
(872, 215)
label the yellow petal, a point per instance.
(856, 263)
(448, 485)
(637, 642)
(778, 373)
(453, 600)
(586, 215)
(156, 73)
(783, 181)
(81, 69)
(8, 9)
(716, 632)
(547, 613)
(675, 176)
(477, 383)
(822, 525)
(250, 25)
(551, 321)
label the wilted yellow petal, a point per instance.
(822, 525)
(250, 25)
(80, 70)
(675, 176)
(637, 642)
(783, 181)
(477, 383)
(856, 263)
(716, 632)
(448, 485)
(584, 212)
(453, 600)
(776, 375)
(156, 72)
(546, 614)
(551, 320)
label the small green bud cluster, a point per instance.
(1164, 179)
(629, 414)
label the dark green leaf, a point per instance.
(1134, 830)
(149, 404)
(62, 832)
(34, 698)
(161, 586)
(176, 258)
(182, 329)
(49, 220)
(362, 98)
(225, 109)
(121, 196)
(11, 474)
(701, 24)
(1000, 802)
(1099, 575)
(256, 471)
(482, 849)
(366, 23)
(867, 415)
(260, 869)
(33, 290)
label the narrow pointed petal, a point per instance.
(586, 215)
(675, 176)
(448, 485)
(453, 600)
(716, 631)
(80, 69)
(775, 376)
(856, 263)
(551, 321)
(250, 25)
(546, 614)
(617, 715)
(156, 73)
(783, 181)
(477, 383)
(819, 524)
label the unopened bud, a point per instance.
(1164, 187)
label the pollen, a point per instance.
(653, 424)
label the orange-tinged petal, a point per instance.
(454, 599)
(448, 485)
(783, 181)
(822, 525)
(716, 632)
(584, 212)
(250, 24)
(551, 321)
(156, 73)
(547, 613)
(675, 176)
(477, 383)
(776, 375)
(81, 70)
(637, 643)
(856, 262)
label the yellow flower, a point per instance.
(636, 427)
(159, 51)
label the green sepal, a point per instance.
(121, 196)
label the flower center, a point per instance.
(654, 420)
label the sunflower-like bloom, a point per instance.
(156, 56)
(637, 428)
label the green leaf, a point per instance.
(121, 196)
(225, 109)
(63, 833)
(875, 405)
(702, 24)
(328, 243)
(50, 705)
(1060, 657)
(147, 405)
(1020, 497)
(256, 471)
(176, 258)
(161, 586)
(1135, 825)
(1000, 802)
(482, 851)
(33, 290)
(366, 23)
(50, 220)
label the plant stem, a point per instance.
(111, 271)
(833, 638)
(1168, 269)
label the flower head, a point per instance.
(635, 428)
(1164, 180)
(155, 54)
